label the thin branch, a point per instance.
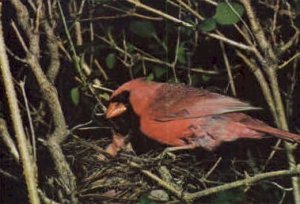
(228, 68)
(230, 42)
(295, 56)
(271, 66)
(75, 57)
(50, 95)
(160, 182)
(27, 160)
(8, 141)
(32, 132)
(138, 4)
(52, 44)
(262, 81)
(244, 182)
(19, 36)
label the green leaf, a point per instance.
(208, 25)
(150, 77)
(181, 53)
(75, 95)
(196, 79)
(159, 71)
(205, 77)
(110, 60)
(145, 200)
(144, 29)
(228, 13)
(130, 47)
(231, 196)
(105, 96)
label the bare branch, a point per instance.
(27, 160)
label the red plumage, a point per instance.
(179, 115)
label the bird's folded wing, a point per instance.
(185, 103)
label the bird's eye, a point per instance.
(122, 97)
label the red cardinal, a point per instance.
(182, 116)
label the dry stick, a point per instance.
(274, 22)
(173, 68)
(27, 160)
(254, 68)
(295, 38)
(8, 141)
(49, 94)
(32, 132)
(218, 33)
(86, 69)
(92, 39)
(213, 168)
(270, 65)
(161, 182)
(52, 44)
(249, 180)
(228, 68)
(188, 8)
(8, 175)
(294, 57)
(101, 70)
(147, 57)
(75, 57)
(190, 197)
(138, 4)
(130, 12)
(266, 92)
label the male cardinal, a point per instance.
(181, 116)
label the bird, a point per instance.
(185, 117)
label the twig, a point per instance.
(32, 132)
(160, 182)
(261, 80)
(138, 4)
(4, 134)
(50, 95)
(52, 44)
(230, 42)
(8, 175)
(244, 182)
(190, 197)
(19, 36)
(228, 69)
(289, 60)
(75, 57)
(213, 168)
(27, 160)
(270, 65)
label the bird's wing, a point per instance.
(176, 102)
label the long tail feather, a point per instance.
(282, 134)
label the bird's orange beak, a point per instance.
(115, 109)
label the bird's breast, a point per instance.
(172, 133)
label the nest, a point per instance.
(131, 178)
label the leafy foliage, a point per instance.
(75, 95)
(110, 60)
(228, 13)
(144, 29)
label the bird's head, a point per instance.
(135, 94)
